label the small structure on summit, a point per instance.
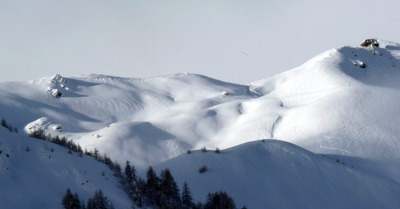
(370, 42)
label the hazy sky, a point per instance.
(237, 41)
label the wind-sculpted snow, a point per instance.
(276, 174)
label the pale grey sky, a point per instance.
(232, 40)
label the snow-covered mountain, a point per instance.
(329, 105)
(342, 103)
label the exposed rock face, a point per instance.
(56, 93)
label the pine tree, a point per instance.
(99, 201)
(4, 123)
(152, 194)
(219, 200)
(71, 201)
(66, 202)
(134, 175)
(134, 182)
(128, 176)
(187, 200)
(139, 193)
(169, 197)
(76, 202)
(107, 160)
(117, 170)
(90, 204)
(95, 153)
(130, 179)
(130, 173)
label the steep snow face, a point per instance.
(343, 101)
(36, 174)
(276, 174)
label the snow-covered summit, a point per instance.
(337, 68)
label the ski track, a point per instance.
(275, 126)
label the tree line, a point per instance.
(156, 191)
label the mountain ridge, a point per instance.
(195, 111)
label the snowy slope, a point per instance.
(277, 174)
(331, 105)
(327, 105)
(125, 118)
(36, 174)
